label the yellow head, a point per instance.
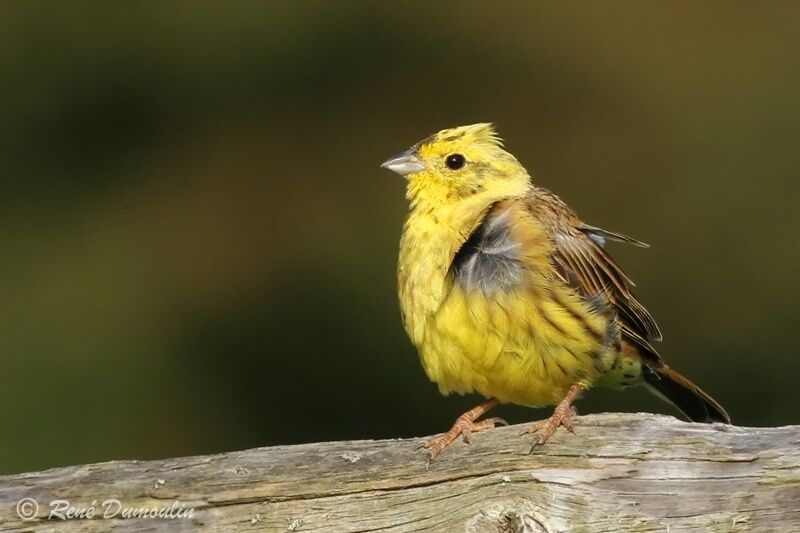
(458, 163)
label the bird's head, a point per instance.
(459, 163)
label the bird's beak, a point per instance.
(404, 164)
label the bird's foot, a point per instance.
(464, 426)
(561, 417)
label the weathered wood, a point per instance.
(620, 472)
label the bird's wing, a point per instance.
(582, 262)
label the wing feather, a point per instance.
(583, 263)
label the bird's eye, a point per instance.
(455, 161)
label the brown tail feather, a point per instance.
(685, 395)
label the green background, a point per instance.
(199, 248)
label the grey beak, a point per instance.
(404, 164)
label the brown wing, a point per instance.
(583, 263)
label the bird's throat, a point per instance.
(432, 236)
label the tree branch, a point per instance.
(620, 472)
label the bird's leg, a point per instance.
(465, 426)
(561, 416)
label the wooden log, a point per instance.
(619, 472)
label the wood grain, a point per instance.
(620, 472)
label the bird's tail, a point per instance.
(683, 394)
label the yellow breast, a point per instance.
(523, 339)
(519, 347)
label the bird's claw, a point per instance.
(463, 427)
(561, 417)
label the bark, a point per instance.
(619, 472)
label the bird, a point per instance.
(507, 293)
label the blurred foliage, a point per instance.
(199, 247)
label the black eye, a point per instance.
(455, 161)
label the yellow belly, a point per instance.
(520, 347)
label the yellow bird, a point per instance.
(507, 293)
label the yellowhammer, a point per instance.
(505, 292)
